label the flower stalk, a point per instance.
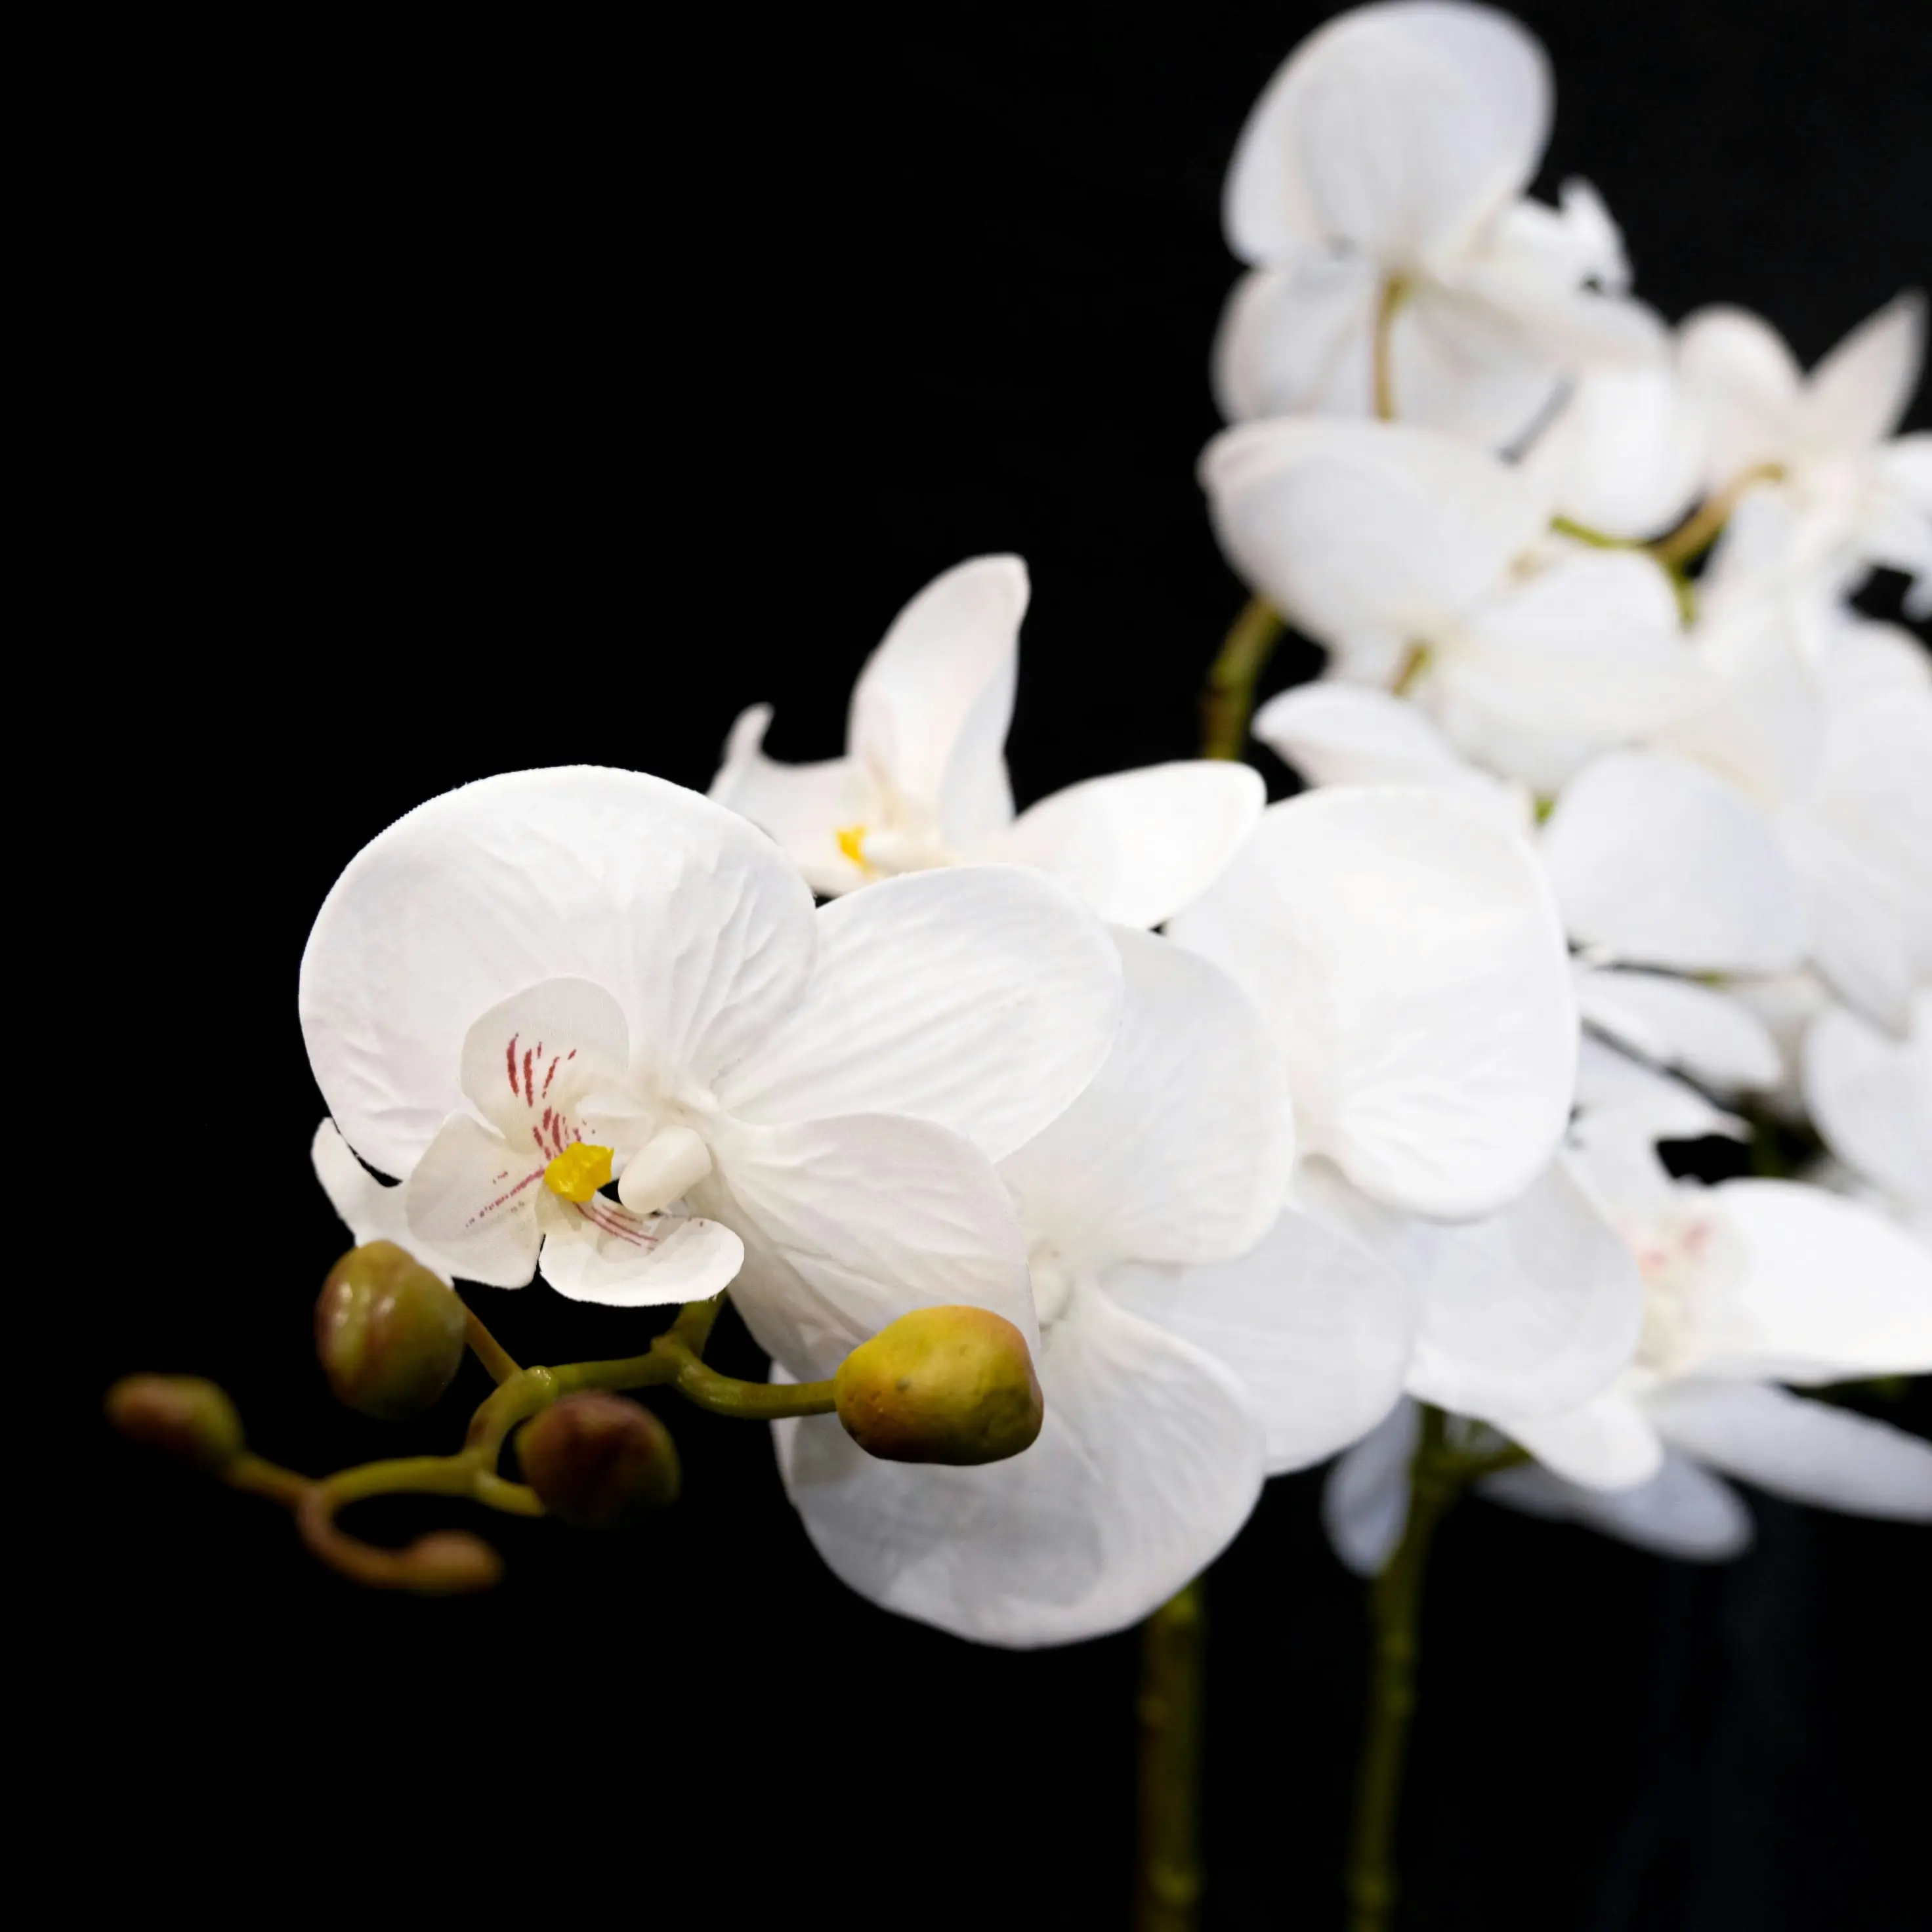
(1229, 701)
(1167, 1891)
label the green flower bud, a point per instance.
(600, 1461)
(181, 1415)
(449, 1562)
(941, 1385)
(390, 1334)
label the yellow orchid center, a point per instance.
(852, 843)
(578, 1172)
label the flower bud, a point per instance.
(450, 1562)
(389, 1333)
(941, 1385)
(600, 1461)
(181, 1415)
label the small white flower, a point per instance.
(596, 959)
(1840, 493)
(923, 782)
(1424, 563)
(1393, 147)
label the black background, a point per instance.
(512, 396)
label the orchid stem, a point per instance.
(1388, 304)
(1228, 702)
(1698, 533)
(1439, 1473)
(488, 1350)
(1167, 1892)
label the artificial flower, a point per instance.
(1383, 166)
(829, 1088)
(923, 782)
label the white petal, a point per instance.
(1396, 128)
(1682, 1511)
(624, 1260)
(694, 919)
(1294, 339)
(1664, 1108)
(1659, 863)
(1805, 1450)
(1857, 395)
(1591, 645)
(1526, 1312)
(1406, 955)
(803, 807)
(1465, 365)
(1138, 845)
(981, 996)
(1679, 1023)
(1180, 1149)
(1871, 1096)
(371, 1211)
(1365, 1501)
(931, 708)
(1371, 529)
(1315, 1329)
(1335, 733)
(1147, 1463)
(1831, 1289)
(848, 1224)
(1606, 1443)
(473, 1198)
(530, 1060)
(1748, 384)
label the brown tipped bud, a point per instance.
(941, 1385)
(181, 1415)
(447, 1561)
(389, 1333)
(600, 1461)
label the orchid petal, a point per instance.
(1661, 864)
(931, 708)
(1803, 1450)
(623, 1260)
(984, 997)
(1179, 1149)
(1679, 1023)
(1314, 1326)
(1606, 1443)
(1747, 382)
(1858, 395)
(1365, 1501)
(850, 1223)
(1148, 1462)
(803, 807)
(1831, 1289)
(1871, 1096)
(1682, 1511)
(473, 1198)
(1137, 846)
(692, 918)
(1436, 1071)
(529, 1061)
(371, 1211)
(1294, 339)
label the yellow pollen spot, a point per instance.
(578, 1172)
(852, 843)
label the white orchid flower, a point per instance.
(1870, 1096)
(923, 782)
(1384, 164)
(1423, 563)
(1179, 1362)
(829, 1088)
(1790, 817)
(1748, 1285)
(1829, 491)
(1626, 453)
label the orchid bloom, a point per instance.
(545, 981)
(1381, 175)
(1403, 945)
(1423, 564)
(1152, 1451)
(1747, 1286)
(1827, 489)
(923, 783)
(1871, 1097)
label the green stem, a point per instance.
(1168, 1894)
(488, 1350)
(1699, 532)
(1388, 305)
(1228, 702)
(1439, 1473)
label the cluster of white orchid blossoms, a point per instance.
(1266, 1124)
